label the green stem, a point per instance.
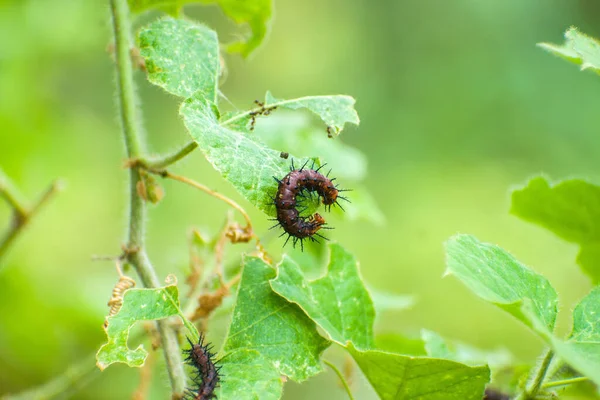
(565, 382)
(171, 158)
(22, 214)
(539, 376)
(342, 379)
(11, 195)
(131, 133)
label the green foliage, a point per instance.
(255, 13)
(138, 305)
(338, 302)
(182, 57)
(335, 111)
(396, 376)
(268, 334)
(570, 209)
(578, 48)
(499, 278)
(242, 159)
(582, 349)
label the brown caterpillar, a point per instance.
(207, 376)
(302, 183)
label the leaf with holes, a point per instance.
(338, 302)
(181, 56)
(270, 333)
(138, 305)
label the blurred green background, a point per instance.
(457, 106)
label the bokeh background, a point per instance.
(457, 105)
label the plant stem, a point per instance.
(131, 133)
(539, 376)
(342, 379)
(565, 382)
(22, 214)
(171, 158)
(205, 189)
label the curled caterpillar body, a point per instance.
(296, 184)
(207, 375)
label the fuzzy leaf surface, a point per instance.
(138, 305)
(334, 110)
(181, 56)
(396, 377)
(496, 276)
(582, 349)
(570, 209)
(578, 48)
(242, 159)
(249, 376)
(270, 332)
(338, 302)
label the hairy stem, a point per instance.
(534, 386)
(342, 379)
(131, 133)
(565, 382)
(165, 161)
(22, 214)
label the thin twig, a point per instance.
(205, 189)
(342, 379)
(131, 133)
(22, 214)
(171, 158)
(565, 382)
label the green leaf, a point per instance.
(334, 110)
(269, 332)
(579, 49)
(249, 375)
(395, 376)
(181, 56)
(138, 305)
(570, 209)
(338, 302)
(255, 13)
(582, 349)
(286, 130)
(437, 346)
(242, 159)
(496, 276)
